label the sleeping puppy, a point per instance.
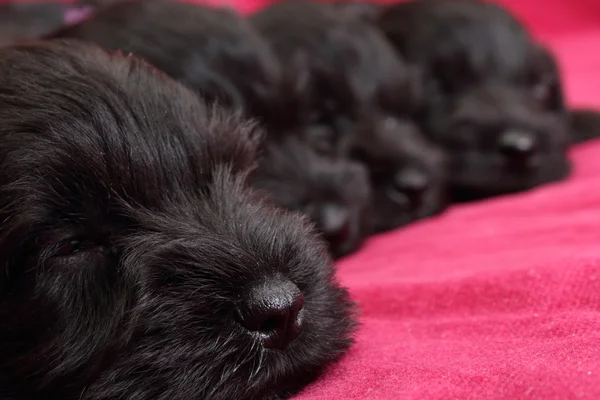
(211, 50)
(136, 263)
(196, 44)
(407, 173)
(349, 79)
(333, 193)
(494, 95)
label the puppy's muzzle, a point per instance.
(408, 187)
(272, 309)
(520, 149)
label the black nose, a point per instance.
(409, 186)
(518, 147)
(273, 310)
(333, 221)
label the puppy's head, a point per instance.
(135, 262)
(211, 50)
(333, 193)
(494, 96)
(339, 66)
(407, 172)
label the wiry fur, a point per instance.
(128, 236)
(349, 81)
(486, 76)
(334, 193)
(211, 50)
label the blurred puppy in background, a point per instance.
(214, 51)
(334, 193)
(494, 96)
(219, 55)
(352, 90)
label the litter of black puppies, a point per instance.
(169, 242)
(357, 99)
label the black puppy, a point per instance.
(333, 193)
(135, 262)
(494, 95)
(353, 89)
(408, 174)
(211, 50)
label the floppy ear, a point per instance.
(546, 79)
(584, 124)
(293, 96)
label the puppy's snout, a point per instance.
(334, 222)
(519, 147)
(273, 310)
(409, 186)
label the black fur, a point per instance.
(211, 50)
(333, 193)
(495, 98)
(407, 172)
(344, 69)
(584, 124)
(129, 241)
(364, 11)
(350, 86)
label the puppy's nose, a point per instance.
(334, 222)
(518, 146)
(410, 185)
(273, 310)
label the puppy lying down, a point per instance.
(334, 193)
(494, 95)
(358, 100)
(197, 44)
(136, 262)
(213, 51)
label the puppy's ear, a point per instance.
(294, 92)
(545, 79)
(232, 140)
(584, 125)
(296, 75)
(404, 93)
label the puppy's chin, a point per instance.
(481, 175)
(359, 228)
(389, 214)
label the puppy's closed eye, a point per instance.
(74, 245)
